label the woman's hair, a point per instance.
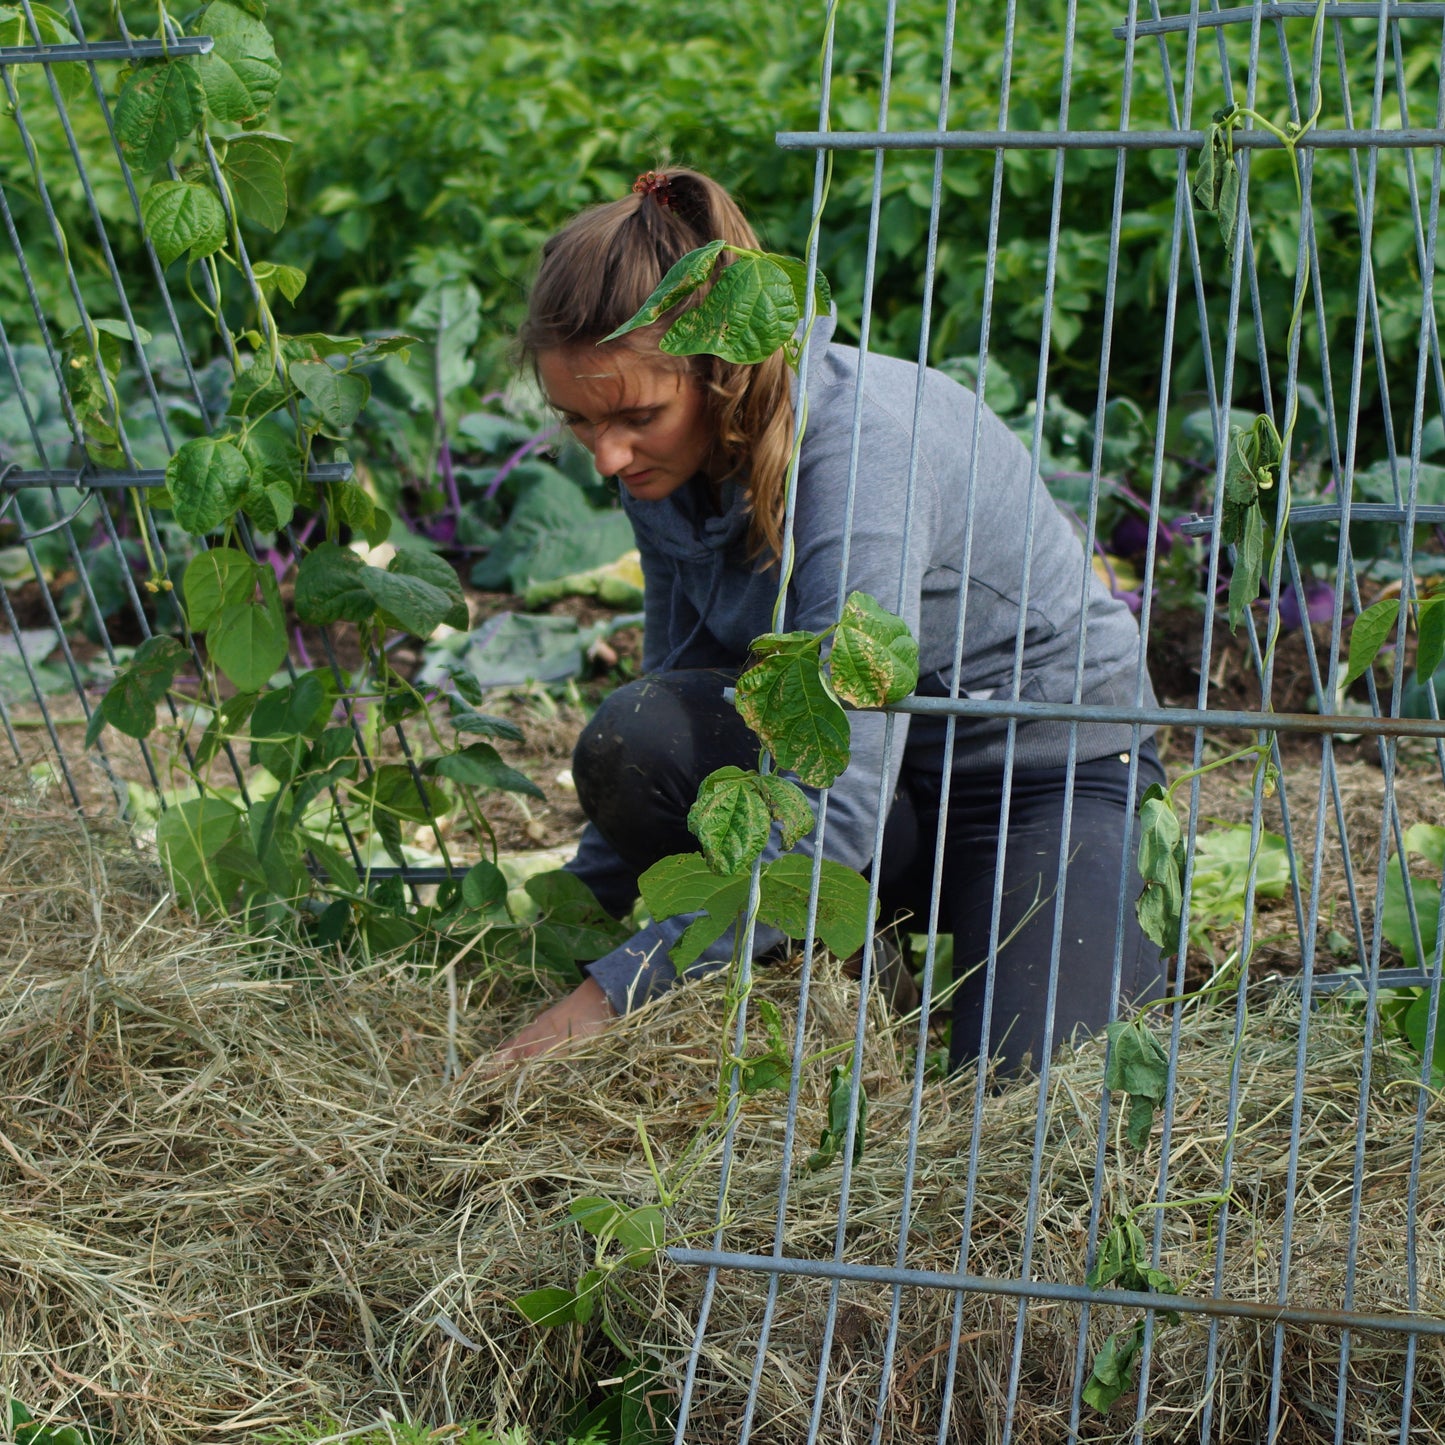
(602, 265)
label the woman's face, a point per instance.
(643, 420)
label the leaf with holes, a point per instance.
(682, 279)
(749, 313)
(215, 579)
(182, 217)
(337, 395)
(129, 705)
(239, 75)
(1368, 636)
(874, 660)
(785, 700)
(247, 641)
(255, 169)
(158, 106)
(206, 480)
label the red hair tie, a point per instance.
(659, 187)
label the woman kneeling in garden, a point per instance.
(700, 447)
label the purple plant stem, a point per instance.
(510, 465)
(301, 652)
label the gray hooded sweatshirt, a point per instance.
(705, 601)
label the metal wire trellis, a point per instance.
(80, 493)
(1396, 35)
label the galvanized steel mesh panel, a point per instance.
(1173, 71)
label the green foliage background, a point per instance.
(445, 138)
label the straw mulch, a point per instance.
(237, 1192)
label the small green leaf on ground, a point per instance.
(833, 1140)
(548, 1307)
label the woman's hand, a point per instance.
(582, 1012)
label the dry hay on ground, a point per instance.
(236, 1192)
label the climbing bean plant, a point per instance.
(212, 179)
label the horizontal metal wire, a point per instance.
(142, 477)
(1033, 1289)
(1381, 138)
(1309, 723)
(106, 50)
(1289, 10)
(1197, 526)
(1344, 982)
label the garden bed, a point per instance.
(238, 1192)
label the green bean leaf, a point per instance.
(1368, 636)
(875, 658)
(682, 279)
(785, 700)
